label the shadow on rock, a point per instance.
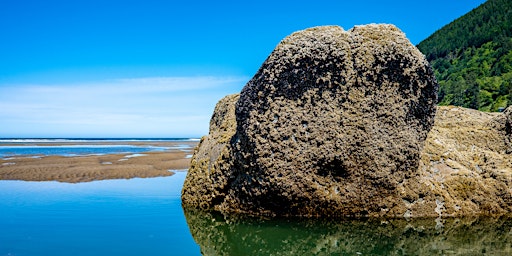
(217, 234)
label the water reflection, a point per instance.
(219, 235)
(109, 217)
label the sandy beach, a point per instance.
(99, 167)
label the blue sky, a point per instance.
(156, 68)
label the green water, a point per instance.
(218, 235)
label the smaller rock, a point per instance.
(464, 167)
(206, 177)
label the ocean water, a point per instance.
(57, 140)
(65, 147)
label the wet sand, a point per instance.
(98, 167)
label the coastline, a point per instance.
(85, 168)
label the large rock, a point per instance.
(332, 124)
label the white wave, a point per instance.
(96, 140)
(134, 155)
(71, 146)
(39, 140)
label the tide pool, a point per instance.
(111, 217)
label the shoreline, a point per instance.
(86, 168)
(156, 143)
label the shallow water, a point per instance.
(218, 235)
(30, 147)
(144, 217)
(112, 217)
(74, 150)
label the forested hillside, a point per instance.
(472, 58)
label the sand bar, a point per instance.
(99, 167)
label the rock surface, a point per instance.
(208, 175)
(332, 124)
(333, 121)
(504, 126)
(465, 168)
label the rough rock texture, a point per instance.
(332, 124)
(209, 172)
(504, 125)
(466, 166)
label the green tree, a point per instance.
(472, 57)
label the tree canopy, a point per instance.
(472, 58)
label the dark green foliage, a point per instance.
(472, 58)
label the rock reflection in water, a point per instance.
(220, 235)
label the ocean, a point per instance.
(12, 147)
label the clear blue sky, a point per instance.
(156, 68)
